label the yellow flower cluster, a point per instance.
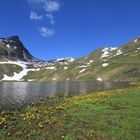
(28, 116)
(99, 95)
(44, 114)
(64, 105)
(2, 120)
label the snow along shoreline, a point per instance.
(17, 76)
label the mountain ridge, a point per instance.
(103, 64)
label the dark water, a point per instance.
(16, 94)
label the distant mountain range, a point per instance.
(104, 64)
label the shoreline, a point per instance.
(90, 116)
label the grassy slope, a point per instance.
(110, 115)
(60, 74)
(9, 69)
(124, 67)
(121, 68)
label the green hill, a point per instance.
(104, 64)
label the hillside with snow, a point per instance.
(104, 64)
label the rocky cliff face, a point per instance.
(12, 49)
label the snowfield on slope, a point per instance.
(105, 64)
(17, 76)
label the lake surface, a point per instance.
(16, 94)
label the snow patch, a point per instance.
(17, 76)
(54, 79)
(76, 78)
(50, 68)
(8, 46)
(15, 47)
(99, 79)
(30, 80)
(112, 49)
(60, 59)
(105, 64)
(105, 49)
(83, 66)
(71, 60)
(91, 61)
(38, 69)
(136, 40)
(82, 70)
(105, 54)
(68, 59)
(119, 52)
(65, 68)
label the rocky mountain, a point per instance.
(104, 64)
(12, 49)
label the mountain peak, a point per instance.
(11, 37)
(11, 48)
(14, 37)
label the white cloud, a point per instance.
(46, 5)
(46, 32)
(50, 16)
(47, 8)
(35, 16)
(51, 6)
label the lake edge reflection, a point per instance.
(15, 94)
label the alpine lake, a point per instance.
(18, 94)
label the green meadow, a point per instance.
(106, 115)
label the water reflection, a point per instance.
(83, 87)
(66, 89)
(15, 94)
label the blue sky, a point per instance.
(53, 29)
